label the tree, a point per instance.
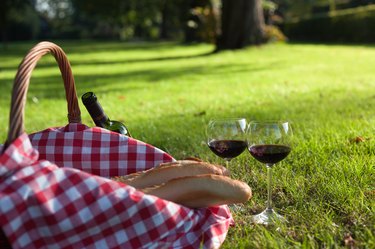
(11, 11)
(242, 24)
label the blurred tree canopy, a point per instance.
(228, 24)
(18, 20)
(146, 19)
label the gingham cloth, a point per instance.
(46, 206)
(95, 150)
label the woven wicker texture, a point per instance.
(22, 81)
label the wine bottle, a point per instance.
(100, 119)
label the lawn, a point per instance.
(167, 92)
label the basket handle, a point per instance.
(21, 85)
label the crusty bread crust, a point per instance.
(187, 162)
(202, 191)
(191, 183)
(167, 172)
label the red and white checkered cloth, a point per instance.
(46, 206)
(95, 150)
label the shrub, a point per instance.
(350, 25)
(274, 34)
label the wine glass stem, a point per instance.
(227, 165)
(269, 186)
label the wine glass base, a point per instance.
(268, 217)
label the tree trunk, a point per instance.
(242, 24)
(163, 25)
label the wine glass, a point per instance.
(227, 137)
(269, 142)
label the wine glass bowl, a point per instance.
(226, 137)
(269, 142)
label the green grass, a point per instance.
(167, 92)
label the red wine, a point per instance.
(269, 153)
(227, 149)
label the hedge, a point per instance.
(350, 25)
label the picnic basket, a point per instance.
(55, 190)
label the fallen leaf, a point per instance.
(358, 139)
(349, 241)
(370, 193)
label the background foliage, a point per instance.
(349, 25)
(183, 20)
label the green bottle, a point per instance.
(100, 119)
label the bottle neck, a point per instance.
(97, 113)
(98, 116)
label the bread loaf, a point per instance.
(202, 191)
(193, 161)
(192, 183)
(168, 171)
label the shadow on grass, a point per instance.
(74, 48)
(51, 87)
(82, 46)
(115, 62)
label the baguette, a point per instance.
(129, 177)
(192, 161)
(187, 160)
(202, 191)
(168, 171)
